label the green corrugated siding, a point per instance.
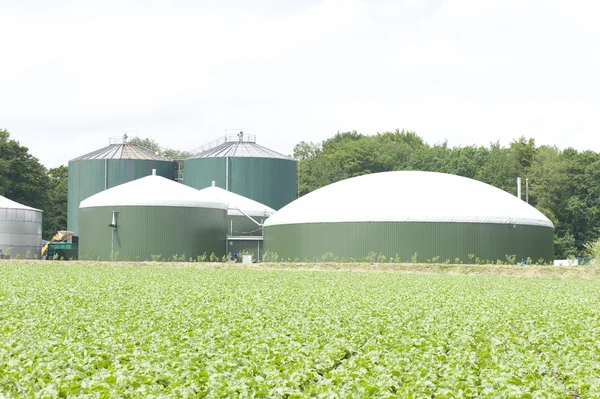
(270, 181)
(86, 178)
(242, 226)
(446, 240)
(143, 231)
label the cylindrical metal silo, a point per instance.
(411, 216)
(150, 218)
(20, 229)
(237, 164)
(118, 163)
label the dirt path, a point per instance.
(585, 272)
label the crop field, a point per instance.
(84, 331)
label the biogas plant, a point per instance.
(234, 198)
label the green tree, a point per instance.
(524, 151)
(22, 177)
(500, 169)
(55, 218)
(153, 146)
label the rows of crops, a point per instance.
(160, 332)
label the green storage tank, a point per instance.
(410, 215)
(245, 218)
(118, 163)
(237, 164)
(149, 218)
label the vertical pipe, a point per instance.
(105, 173)
(112, 244)
(519, 187)
(527, 190)
(227, 173)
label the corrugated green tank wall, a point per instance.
(270, 181)
(87, 177)
(429, 240)
(143, 231)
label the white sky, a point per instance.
(74, 73)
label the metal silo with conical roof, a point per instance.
(20, 229)
(237, 164)
(117, 163)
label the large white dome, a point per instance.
(237, 202)
(409, 196)
(152, 191)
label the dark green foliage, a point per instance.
(156, 148)
(55, 218)
(22, 177)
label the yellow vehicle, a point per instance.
(60, 236)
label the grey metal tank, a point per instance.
(20, 229)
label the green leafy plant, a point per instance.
(270, 256)
(156, 258)
(214, 257)
(592, 249)
(413, 259)
(511, 259)
(202, 258)
(372, 257)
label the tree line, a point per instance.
(564, 184)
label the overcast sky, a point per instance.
(74, 73)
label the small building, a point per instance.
(245, 218)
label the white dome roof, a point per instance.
(5, 203)
(409, 196)
(152, 191)
(236, 201)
